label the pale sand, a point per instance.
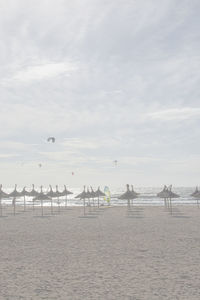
(147, 254)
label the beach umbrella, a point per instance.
(42, 197)
(99, 194)
(2, 196)
(51, 139)
(197, 196)
(24, 193)
(51, 194)
(92, 194)
(132, 190)
(134, 193)
(171, 196)
(164, 194)
(58, 195)
(14, 194)
(33, 193)
(89, 196)
(195, 192)
(128, 195)
(65, 193)
(82, 196)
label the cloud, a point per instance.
(5, 155)
(40, 72)
(75, 70)
(175, 114)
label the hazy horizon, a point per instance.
(115, 80)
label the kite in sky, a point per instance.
(51, 139)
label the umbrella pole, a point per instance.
(42, 208)
(66, 202)
(98, 201)
(51, 206)
(24, 203)
(14, 206)
(33, 205)
(84, 206)
(1, 210)
(170, 205)
(58, 201)
(89, 205)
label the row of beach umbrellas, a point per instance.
(167, 194)
(48, 196)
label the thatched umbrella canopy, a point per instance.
(99, 194)
(58, 195)
(171, 196)
(2, 193)
(82, 196)
(24, 193)
(134, 192)
(196, 192)
(51, 194)
(15, 193)
(128, 195)
(164, 194)
(42, 197)
(92, 194)
(65, 193)
(33, 193)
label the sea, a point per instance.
(147, 197)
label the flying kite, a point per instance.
(72, 173)
(39, 165)
(115, 162)
(51, 139)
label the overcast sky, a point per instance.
(110, 80)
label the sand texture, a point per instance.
(145, 253)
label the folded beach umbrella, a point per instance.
(82, 196)
(99, 194)
(42, 197)
(128, 195)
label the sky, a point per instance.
(110, 80)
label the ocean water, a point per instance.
(147, 197)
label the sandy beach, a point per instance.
(145, 253)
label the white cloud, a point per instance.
(38, 72)
(76, 71)
(175, 114)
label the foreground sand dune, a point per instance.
(113, 254)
